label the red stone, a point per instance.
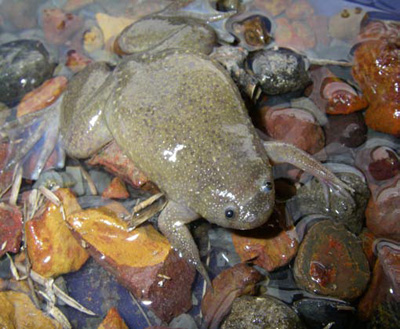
(383, 212)
(10, 228)
(294, 126)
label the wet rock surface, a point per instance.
(270, 246)
(311, 199)
(278, 71)
(24, 65)
(261, 312)
(10, 228)
(142, 260)
(52, 249)
(331, 262)
(383, 214)
(317, 313)
(293, 125)
(234, 282)
(348, 130)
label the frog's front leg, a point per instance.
(172, 223)
(280, 152)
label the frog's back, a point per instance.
(181, 119)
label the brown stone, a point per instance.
(331, 262)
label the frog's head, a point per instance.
(246, 208)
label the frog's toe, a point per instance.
(32, 140)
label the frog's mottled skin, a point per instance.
(181, 119)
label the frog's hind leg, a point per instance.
(172, 223)
(279, 152)
(32, 139)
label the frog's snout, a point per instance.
(254, 212)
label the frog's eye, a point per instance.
(230, 213)
(267, 187)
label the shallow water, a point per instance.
(92, 285)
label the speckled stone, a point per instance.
(24, 65)
(261, 313)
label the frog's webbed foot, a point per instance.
(32, 139)
(202, 9)
(172, 223)
(280, 152)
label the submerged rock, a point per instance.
(229, 284)
(311, 199)
(331, 262)
(51, 247)
(24, 65)
(113, 321)
(261, 312)
(295, 126)
(270, 246)
(10, 228)
(18, 312)
(142, 260)
(318, 313)
(278, 71)
(383, 213)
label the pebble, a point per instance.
(331, 262)
(261, 312)
(24, 66)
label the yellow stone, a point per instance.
(52, 249)
(110, 235)
(112, 26)
(18, 312)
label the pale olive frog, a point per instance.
(181, 119)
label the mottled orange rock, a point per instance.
(42, 96)
(52, 249)
(377, 71)
(113, 321)
(18, 312)
(270, 246)
(116, 190)
(142, 260)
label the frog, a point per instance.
(180, 118)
